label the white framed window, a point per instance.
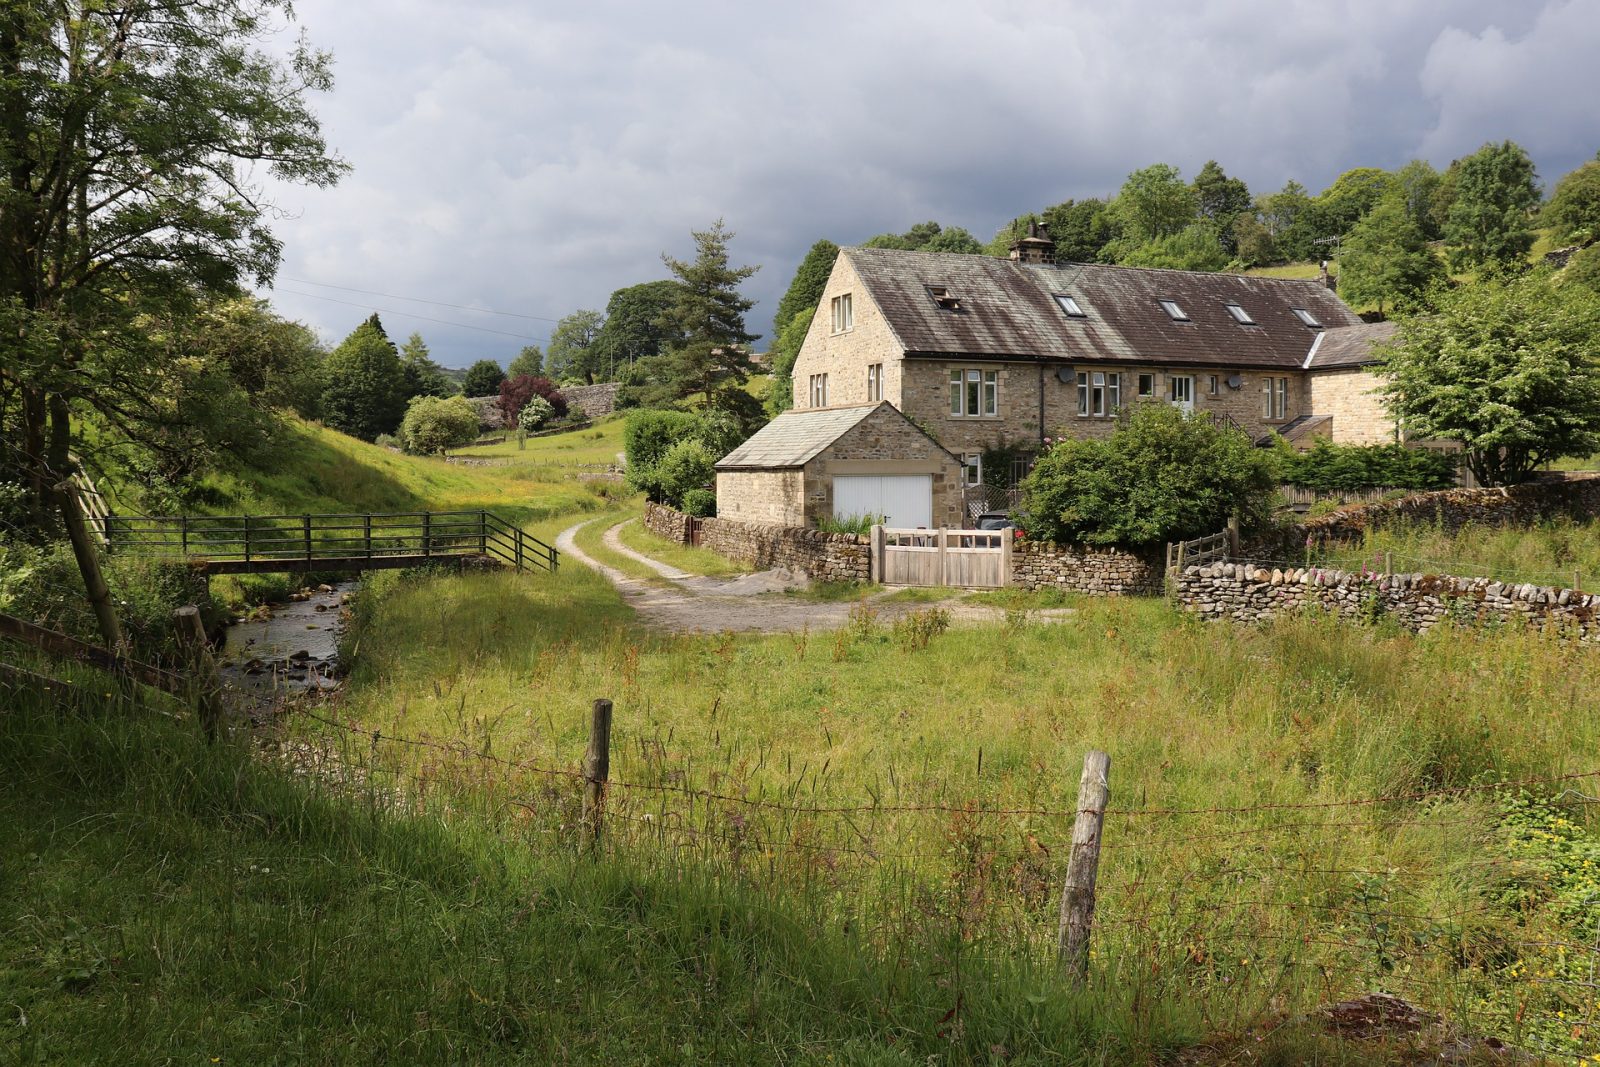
(1306, 317)
(1070, 306)
(1147, 385)
(875, 382)
(1276, 393)
(819, 390)
(1180, 391)
(972, 469)
(1174, 312)
(1240, 315)
(843, 314)
(1099, 393)
(974, 393)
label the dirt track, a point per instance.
(753, 603)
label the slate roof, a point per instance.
(1008, 311)
(794, 438)
(1348, 346)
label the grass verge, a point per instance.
(686, 558)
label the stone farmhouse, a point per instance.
(993, 355)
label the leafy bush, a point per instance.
(535, 413)
(433, 424)
(516, 392)
(687, 466)
(388, 440)
(701, 503)
(646, 438)
(1350, 468)
(1161, 475)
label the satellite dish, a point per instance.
(1235, 381)
(1066, 375)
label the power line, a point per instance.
(421, 300)
(413, 315)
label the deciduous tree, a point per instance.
(1489, 224)
(805, 289)
(1506, 366)
(362, 395)
(483, 379)
(529, 363)
(135, 138)
(1574, 209)
(1385, 261)
(572, 347)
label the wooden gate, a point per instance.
(964, 559)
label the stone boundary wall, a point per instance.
(595, 401)
(1451, 509)
(822, 557)
(1084, 569)
(1247, 592)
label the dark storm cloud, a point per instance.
(532, 158)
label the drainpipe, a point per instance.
(1041, 406)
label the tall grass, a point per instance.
(959, 763)
(1553, 552)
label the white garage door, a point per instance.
(906, 499)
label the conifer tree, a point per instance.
(708, 313)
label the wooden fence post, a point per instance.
(427, 533)
(596, 769)
(1233, 535)
(202, 668)
(305, 531)
(1077, 897)
(94, 581)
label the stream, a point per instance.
(289, 649)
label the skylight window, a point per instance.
(1240, 315)
(1306, 317)
(1174, 311)
(1070, 306)
(944, 298)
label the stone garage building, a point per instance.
(843, 462)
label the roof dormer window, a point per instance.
(1070, 306)
(1240, 315)
(1173, 311)
(1306, 317)
(944, 298)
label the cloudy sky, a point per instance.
(530, 157)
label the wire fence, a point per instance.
(1477, 901)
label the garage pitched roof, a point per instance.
(1008, 310)
(794, 438)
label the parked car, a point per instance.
(993, 520)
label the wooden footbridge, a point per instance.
(257, 544)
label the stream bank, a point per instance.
(286, 649)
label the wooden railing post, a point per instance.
(202, 669)
(366, 532)
(517, 547)
(1083, 867)
(94, 582)
(427, 533)
(183, 533)
(305, 533)
(483, 532)
(247, 539)
(596, 769)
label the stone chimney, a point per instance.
(1328, 280)
(1034, 248)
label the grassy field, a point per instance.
(1561, 553)
(841, 846)
(598, 444)
(686, 558)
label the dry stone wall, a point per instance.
(1095, 571)
(822, 557)
(595, 401)
(1248, 592)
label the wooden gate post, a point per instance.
(202, 669)
(944, 556)
(876, 553)
(1083, 867)
(596, 769)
